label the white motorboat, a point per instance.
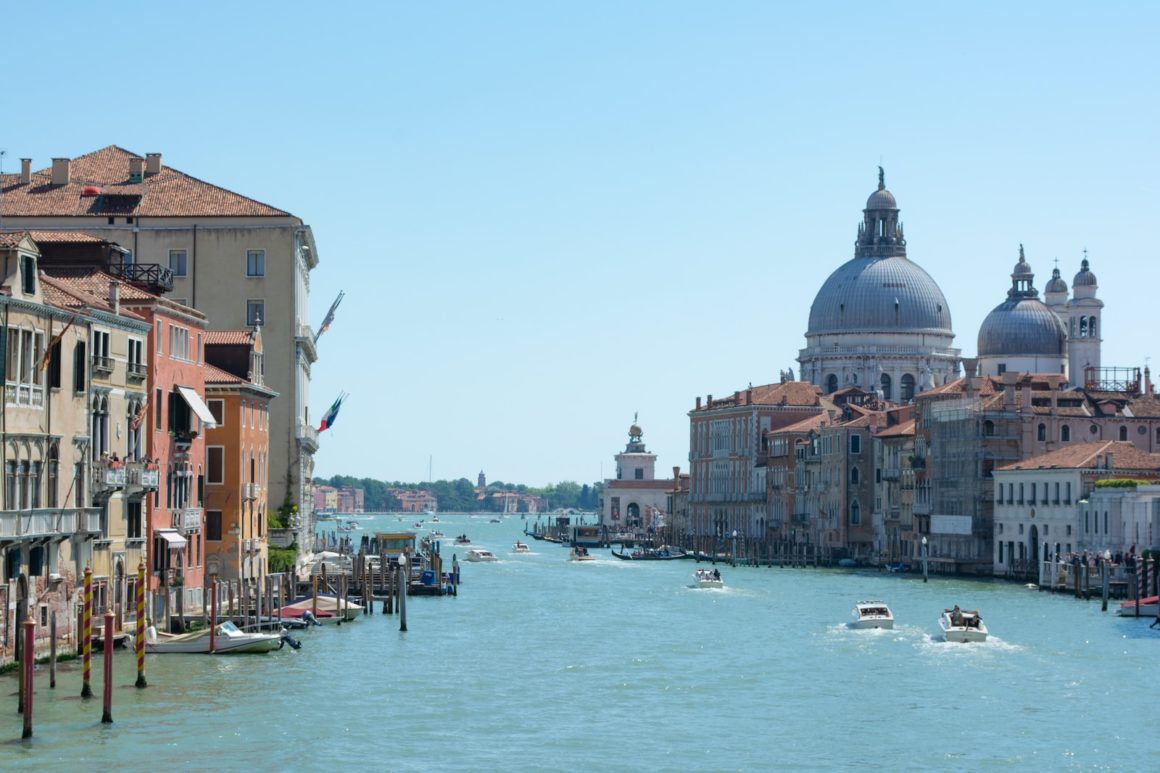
(872, 614)
(227, 638)
(1149, 605)
(476, 555)
(436, 534)
(521, 547)
(708, 578)
(328, 608)
(962, 625)
(580, 554)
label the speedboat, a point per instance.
(521, 547)
(1149, 607)
(962, 625)
(872, 614)
(227, 638)
(476, 555)
(708, 578)
(462, 540)
(580, 554)
(436, 534)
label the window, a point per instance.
(255, 312)
(178, 263)
(218, 409)
(28, 274)
(178, 343)
(855, 513)
(638, 473)
(80, 367)
(1002, 368)
(133, 517)
(102, 362)
(157, 411)
(907, 387)
(988, 428)
(1042, 433)
(25, 349)
(855, 476)
(1123, 433)
(886, 386)
(255, 262)
(831, 383)
(1065, 434)
(136, 366)
(213, 525)
(215, 463)
(855, 444)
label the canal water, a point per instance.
(546, 664)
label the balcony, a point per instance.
(41, 524)
(187, 520)
(102, 366)
(305, 339)
(307, 437)
(108, 478)
(138, 475)
(891, 474)
(29, 395)
(801, 517)
(136, 371)
(157, 277)
(250, 491)
(183, 438)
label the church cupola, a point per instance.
(880, 234)
(1022, 279)
(1084, 326)
(1055, 292)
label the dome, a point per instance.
(635, 431)
(881, 199)
(1022, 326)
(882, 295)
(1022, 269)
(1056, 283)
(1085, 277)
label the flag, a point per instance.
(46, 358)
(332, 414)
(329, 318)
(142, 412)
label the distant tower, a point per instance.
(1084, 326)
(481, 481)
(635, 462)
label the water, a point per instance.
(546, 664)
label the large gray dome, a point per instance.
(880, 295)
(1022, 327)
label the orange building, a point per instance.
(237, 456)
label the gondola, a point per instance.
(663, 554)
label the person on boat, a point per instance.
(956, 616)
(716, 574)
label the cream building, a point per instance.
(237, 260)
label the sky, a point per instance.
(550, 217)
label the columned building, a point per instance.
(880, 322)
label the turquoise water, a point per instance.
(546, 664)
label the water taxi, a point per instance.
(962, 625)
(475, 555)
(872, 614)
(708, 578)
(521, 547)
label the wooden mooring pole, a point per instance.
(107, 713)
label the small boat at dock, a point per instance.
(227, 638)
(1149, 606)
(962, 625)
(872, 614)
(328, 609)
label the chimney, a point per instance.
(115, 296)
(136, 169)
(737, 398)
(25, 170)
(698, 402)
(677, 476)
(60, 171)
(709, 401)
(749, 397)
(152, 163)
(1147, 381)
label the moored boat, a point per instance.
(962, 625)
(708, 578)
(872, 614)
(1149, 607)
(227, 638)
(328, 607)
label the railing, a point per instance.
(150, 273)
(30, 395)
(107, 478)
(188, 519)
(92, 521)
(250, 491)
(137, 370)
(801, 517)
(923, 508)
(17, 524)
(138, 475)
(308, 434)
(102, 366)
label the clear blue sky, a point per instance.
(548, 216)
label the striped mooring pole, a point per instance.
(139, 642)
(87, 636)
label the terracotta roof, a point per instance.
(96, 282)
(905, 429)
(66, 293)
(59, 237)
(817, 421)
(1125, 456)
(169, 193)
(11, 238)
(798, 393)
(244, 337)
(215, 375)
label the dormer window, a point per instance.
(28, 274)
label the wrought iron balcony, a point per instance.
(153, 274)
(892, 473)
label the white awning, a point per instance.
(193, 399)
(175, 540)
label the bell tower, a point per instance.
(1084, 325)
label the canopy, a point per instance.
(175, 540)
(193, 399)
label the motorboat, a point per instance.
(476, 555)
(1149, 607)
(962, 625)
(436, 534)
(328, 608)
(331, 563)
(495, 520)
(580, 554)
(872, 614)
(227, 638)
(521, 547)
(708, 578)
(462, 540)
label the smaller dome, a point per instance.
(881, 199)
(1056, 283)
(1022, 326)
(1022, 269)
(635, 431)
(1085, 277)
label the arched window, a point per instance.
(988, 428)
(1091, 327)
(1123, 433)
(831, 383)
(907, 392)
(855, 513)
(1083, 327)
(1065, 434)
(855, 476)
(1042, 433)
(886, 386)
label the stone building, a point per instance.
(635, 500)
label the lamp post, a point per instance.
(925, 553)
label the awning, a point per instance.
(193, 399)
(175, 540)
